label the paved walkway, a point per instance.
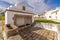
(59, 35)
(34, 33)
(1, 35)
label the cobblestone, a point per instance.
(34, 33)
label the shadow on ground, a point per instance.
(34, 33)
(28, 34)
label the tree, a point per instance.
(2, 14)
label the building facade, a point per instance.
(18, 15)
(53, 15)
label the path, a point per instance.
(34, 33)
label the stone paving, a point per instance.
(34, 33)
(1, 35)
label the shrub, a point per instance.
(47, 21)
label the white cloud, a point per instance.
(13, 1)
(2, 7)
(39, 5)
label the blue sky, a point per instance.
(34, 5)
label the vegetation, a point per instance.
(2, 16)
(47, 21)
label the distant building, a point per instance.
(53, 15)
(42, 16)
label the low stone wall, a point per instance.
(48, 26)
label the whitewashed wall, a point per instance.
(53, 15)
(19, 7)
(9, 17)
(47, 14)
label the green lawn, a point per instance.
(47, 21)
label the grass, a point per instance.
(47, 21)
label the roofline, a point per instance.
(20, 11)
(55, 11)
